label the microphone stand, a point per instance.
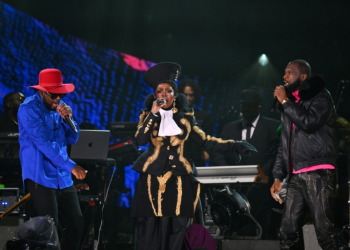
(337, 100)
(341, 90)
(232, 109)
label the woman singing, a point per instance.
(167, 192)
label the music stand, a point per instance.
(125, 150)
(98, 206)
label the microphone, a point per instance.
(232, 109)
(275, 101)
(161, 101)
(70, 123)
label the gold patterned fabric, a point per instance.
(166, 186)
(167, 195)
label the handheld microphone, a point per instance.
(275, 101)
(70, 123)
(161, 101)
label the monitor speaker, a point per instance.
(8, 227)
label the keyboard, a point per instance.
(231, 174)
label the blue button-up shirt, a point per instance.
(43, 140)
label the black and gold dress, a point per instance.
(167, 186)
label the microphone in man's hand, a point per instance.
(161, 101)
(275, 102)
(70, 123)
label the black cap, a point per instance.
(250, 95)
(165, 72)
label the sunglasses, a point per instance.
(54, 96)
(190, 95)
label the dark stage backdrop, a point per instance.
(108, 84)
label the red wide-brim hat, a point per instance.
(51, 80)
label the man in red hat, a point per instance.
(46, 167)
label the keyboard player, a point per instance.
(260, 132)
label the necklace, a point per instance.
(14, 121)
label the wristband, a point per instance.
(285, 100)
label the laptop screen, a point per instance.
(91, 145)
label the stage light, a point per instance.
(230, 211)
(263, 60)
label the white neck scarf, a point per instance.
(168, 126)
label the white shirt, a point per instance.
(168, 126)
(244, 131)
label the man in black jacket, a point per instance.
(306, 156)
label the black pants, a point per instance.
(160, 233)
(62, 205)
(313, 191)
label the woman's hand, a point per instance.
(242, 149)
(156, 107)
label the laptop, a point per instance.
(91, 145)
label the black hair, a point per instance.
(190, 83)
(303, 66)
(8, 98)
